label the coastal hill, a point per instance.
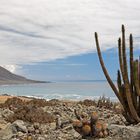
(6, 77)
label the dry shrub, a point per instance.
(104, 102)
(31, 114)
(28, 110)
(42, 102)
(12, 103)
(16, 102)
(88, 102)
(37, 102)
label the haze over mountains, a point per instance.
(6, 77)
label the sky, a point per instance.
(54, 39)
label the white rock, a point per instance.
(6, 133)
(6, 112)
(125, 132)
(19, 125)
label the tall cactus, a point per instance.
(128, 91)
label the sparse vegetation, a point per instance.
(88, 102)
(31, 114)
(103, 102)
(52, 121)
(42, 102)
(16, 102)
(12, 103)
(28, 110)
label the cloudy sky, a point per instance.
(54, 39)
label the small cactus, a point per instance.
(85, 122)
(94, 116)
(105, 133)
(77, 123)
(91, 127)
(86, 130)
(104, 126)
(98, 126)
(101, 135)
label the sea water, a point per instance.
(61, 90)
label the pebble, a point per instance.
(31, 129)
(63, 132)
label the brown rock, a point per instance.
(29, 138)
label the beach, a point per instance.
(79, 90)
(27, 118)
(3, 98)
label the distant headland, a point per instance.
(6, 77)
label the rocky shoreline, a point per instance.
(38, 119)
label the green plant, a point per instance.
(128, 91)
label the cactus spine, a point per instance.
(128, 91)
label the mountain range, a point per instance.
(6, 77)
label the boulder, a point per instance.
(124, 132)
(19, 125)
(7, 133)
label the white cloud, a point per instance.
(66, 64)
(45, 30)
(11, 68)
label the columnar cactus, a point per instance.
(139, 71)
(128, 90)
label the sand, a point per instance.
(3, 98)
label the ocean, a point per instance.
(61, 90)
